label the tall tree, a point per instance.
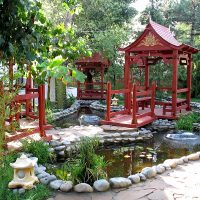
(105, 23)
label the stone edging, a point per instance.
(116, 182)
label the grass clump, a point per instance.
(185, 122)
(86, 166)
(41, 192)
(39, 149)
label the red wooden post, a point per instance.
(41, 108)
(174, 82)
(153, 99)
(126, 77)
(108, 100)
(134, 109)
(146, 74)
(189, 82)
(129, 98)
(102, 81)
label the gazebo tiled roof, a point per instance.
(157, 37)
(95, 59)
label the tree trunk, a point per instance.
(61, 97)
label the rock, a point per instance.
(46, 180)
(55, 143)
(185, 159)
(21, 191)
(149, 172)
(142, 177)
(39, 169)
(15, 191)
(83, 187)
(134, 178)
(56, 184)
(180, 161)
(101, 185)
(171, 163)
(66, 186)
(120, 182)
(43, 175)
(160, 169)
(60, 148)
(194, 156)
(89, 120)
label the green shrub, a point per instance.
(39, 149)
(86, 166)
(185, 122)
(41, 192)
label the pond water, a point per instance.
(73, 119)
(131, 159)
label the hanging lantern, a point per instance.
(24, 175)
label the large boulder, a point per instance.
(120, 182)
(101, 185)
(83, 187)
(89, 120)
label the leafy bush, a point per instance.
(185, 122)
(39, 149)
(41, 192)
(87, 166)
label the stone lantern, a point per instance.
(114, 101)
(24, 175)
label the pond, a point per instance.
(126, 160)
(131, 159)
(73, 119)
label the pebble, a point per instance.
(48, 179)
(21, 191)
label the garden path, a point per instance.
(177, 184)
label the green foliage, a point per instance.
(70, 100)
(185, 122)
(86, 166)
(41, 192)
(39, 149)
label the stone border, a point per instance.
(93, 104)
(113, 183)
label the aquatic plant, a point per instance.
(85, 166)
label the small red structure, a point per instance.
(28, 101)
(91, 89)
(154, 44)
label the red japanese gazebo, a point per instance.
(154, 44)
(91, 89)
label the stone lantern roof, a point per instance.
(23, 162)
